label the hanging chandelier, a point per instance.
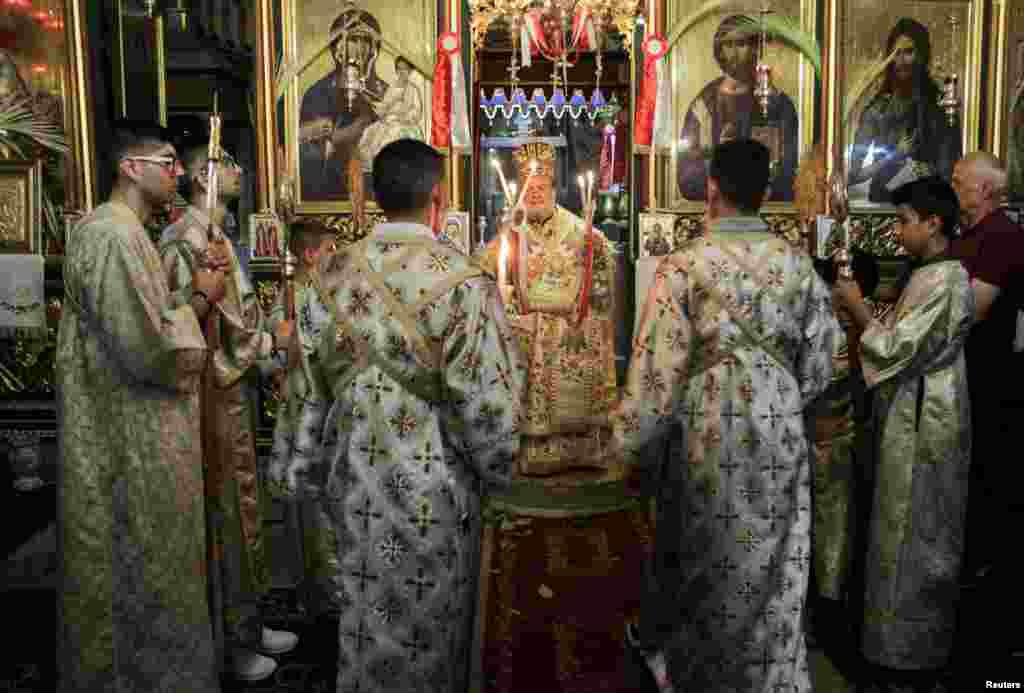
(556, 30)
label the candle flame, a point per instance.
(533, 167)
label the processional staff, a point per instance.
(214, 153)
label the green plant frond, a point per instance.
(51, 218)
(855, 99)
(786, 31)
(18, 118)
(704, 11)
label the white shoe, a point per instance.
(252, 666)
(278, 642)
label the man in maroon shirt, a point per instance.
(991, 247)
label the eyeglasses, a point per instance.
(168, 163)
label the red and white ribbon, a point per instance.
(449, 112)
(652, 123)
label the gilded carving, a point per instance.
(266, 293)
(872, 233)
(346, 228)
(12, 212)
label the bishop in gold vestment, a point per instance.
(559, 300)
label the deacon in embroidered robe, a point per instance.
(427, 387)
(238, 339)
(298, 428)
(914, 361)
(557, 280)
(734, 344)
(132, 603)
(837, 439)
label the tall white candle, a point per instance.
(503, 262)
(501, 176)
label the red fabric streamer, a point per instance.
(655, 46)
(441, 106)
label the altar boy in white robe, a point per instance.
(734, 343)
(426, 385)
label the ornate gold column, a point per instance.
(82, 193)
(266, 150)
(832, 113)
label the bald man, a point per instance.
(991, 247)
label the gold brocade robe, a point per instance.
(915, 363)
(132, 600)
(237, 341)
(571, 385)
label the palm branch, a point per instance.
(707, 9)
(787, 32)
(52, 221)
(855, 99)
(18, 118)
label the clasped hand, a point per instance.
(209, 282)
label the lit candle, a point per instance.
(590, 186)
(502, 262)
(501, 177)
(583, 190)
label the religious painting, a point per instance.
(20, 205)
(357, 76)
(895, 58)
(266, 235)
(656, 234)
(45, 117)
(456, 230)
(711, 63)
(1005, 117)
